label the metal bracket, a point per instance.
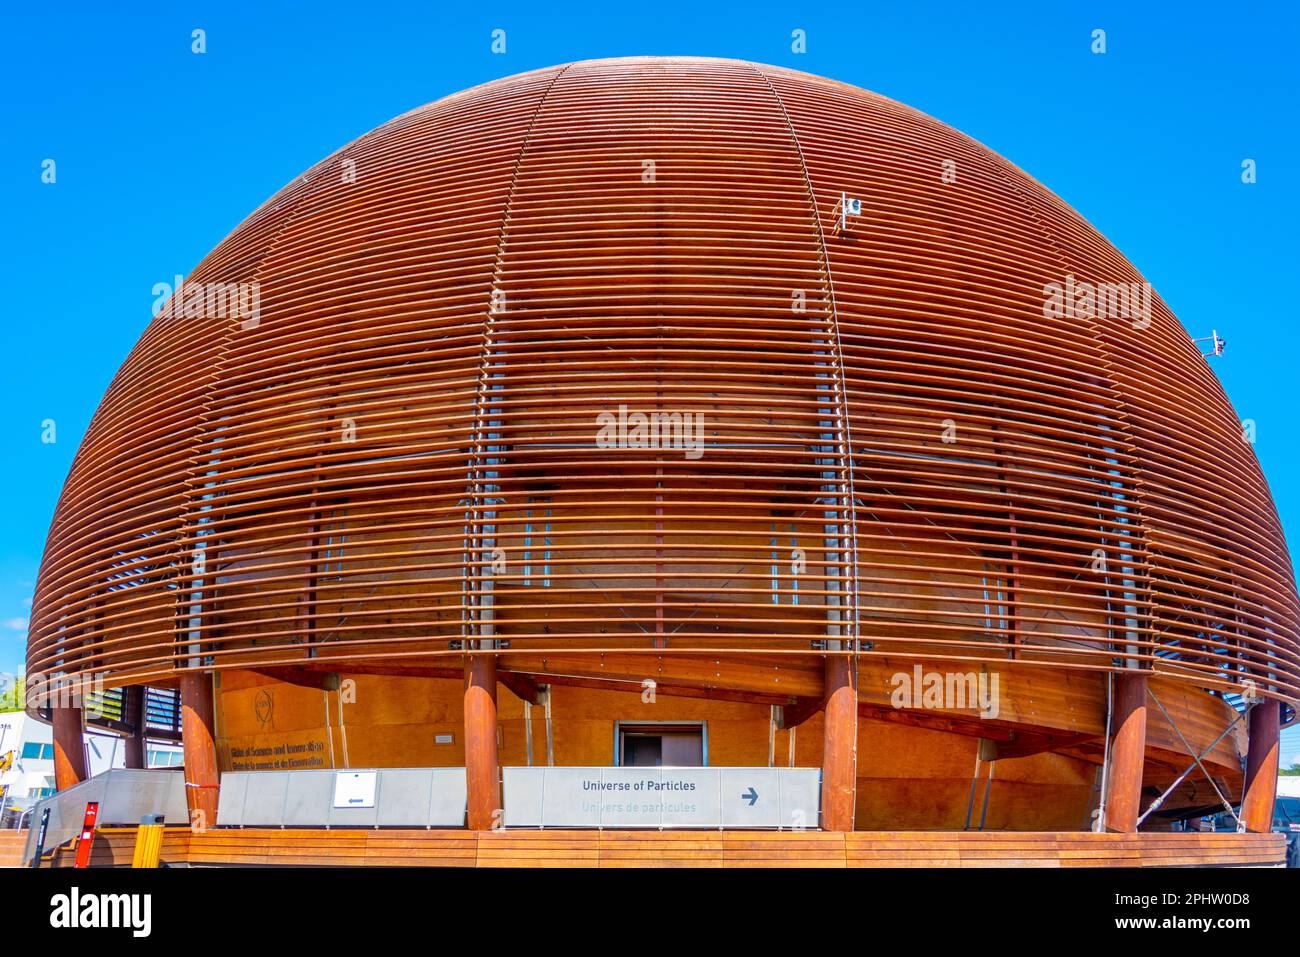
(1196, 760)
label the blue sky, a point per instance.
(161, 152)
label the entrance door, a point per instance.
(656, 746)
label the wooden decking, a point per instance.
(458, 848)
(11, 847)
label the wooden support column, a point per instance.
(1261, 767)
(839, 744)
(1128, 744)
(133, 711)
(482, 773)
(201, 778)
(69, 751)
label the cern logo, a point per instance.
(264, 708)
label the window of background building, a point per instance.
(164, 759)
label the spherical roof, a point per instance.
(653, 354)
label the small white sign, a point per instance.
(354, 789)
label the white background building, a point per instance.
(31, 776)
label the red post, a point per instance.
(482, 773)
(1261, 767)
(201, 778)
(87, 838)
(69, 751)
(839, 745)
(1128, 743)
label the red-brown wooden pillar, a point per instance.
(482, 774)
(69, 751)
(201, 779)
(1128, 745)
(133, 710)
(839, 744)
(1261, 767)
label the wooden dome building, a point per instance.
(672, 412)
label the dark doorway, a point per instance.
(656, 746)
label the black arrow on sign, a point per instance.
(751, 796)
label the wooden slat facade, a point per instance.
(901, 446)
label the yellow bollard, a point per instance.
(148, 841)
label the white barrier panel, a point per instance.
(383, 797)
(662, 797)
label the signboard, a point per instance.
(384, 797)
(40, 836)
(354, 789)
(662, 797)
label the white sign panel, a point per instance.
(384, 797)
(662, 797)
(354, 788)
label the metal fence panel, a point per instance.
(403, 797)
(124, 794)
